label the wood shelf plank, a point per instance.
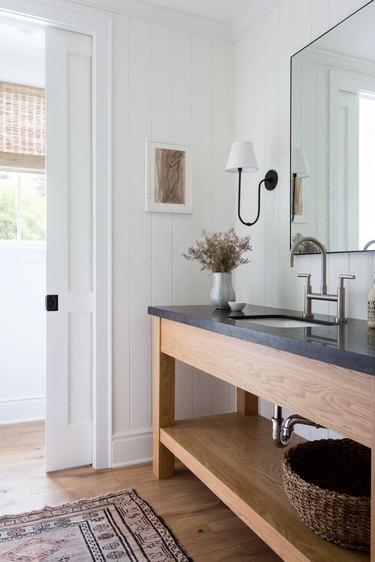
(235, 457)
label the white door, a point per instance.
(69, 249)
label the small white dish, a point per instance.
(236, 306)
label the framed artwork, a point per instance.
(168, 177)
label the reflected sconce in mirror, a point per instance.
(300, 169)
(242, 160)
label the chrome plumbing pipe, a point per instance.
(282, 430)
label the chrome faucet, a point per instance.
(339, 297)
(369, 243)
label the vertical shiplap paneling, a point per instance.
(182, 223)
(221, 124)
(339, 10)
(288, 284)
(202, 186)
(357, 4)
(243, 130)
(121, 226)
(201, 154)
(319, 18)
(181, 104)
(161, 129)
(249, 197)
(139, 398)
(336, 264)
(270, 212)
(302, 23)
(170, 76)
(222, 220)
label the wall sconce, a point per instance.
(300, 170)
(242, 159)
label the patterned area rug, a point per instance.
(119, 526)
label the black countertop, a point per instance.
(351, 345)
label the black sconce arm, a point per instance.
(270, 182)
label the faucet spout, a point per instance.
(323, 286)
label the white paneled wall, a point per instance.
(173, 86)
(262, 115)
(262, 60)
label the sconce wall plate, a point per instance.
(270, 180)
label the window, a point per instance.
(22, 163)
(22, 205)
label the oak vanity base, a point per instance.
(233, 454)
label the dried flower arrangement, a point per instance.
(220, 251)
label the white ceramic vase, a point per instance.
(222, 290)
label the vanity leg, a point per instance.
(163, 404)
(247, 403)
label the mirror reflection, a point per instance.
(333, 136)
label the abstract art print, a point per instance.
(168, 177)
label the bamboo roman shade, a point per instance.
(22, 127)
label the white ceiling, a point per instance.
(224, 11)
(226, 19)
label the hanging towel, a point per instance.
(298, 199)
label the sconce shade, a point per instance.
(299, 163)
(242, 157)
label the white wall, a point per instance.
(174, 86)
(22, 333)
(262, 58)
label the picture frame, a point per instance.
(168, 177)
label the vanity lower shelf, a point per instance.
(235, 457)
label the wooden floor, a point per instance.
(205, 527)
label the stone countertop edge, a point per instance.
(283, 339)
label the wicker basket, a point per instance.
(329, 483)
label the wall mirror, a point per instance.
(332, 159)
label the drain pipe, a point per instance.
(282, 430)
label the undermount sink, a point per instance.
(281, 321)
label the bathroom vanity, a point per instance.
(323, 372)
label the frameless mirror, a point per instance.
(333, 136)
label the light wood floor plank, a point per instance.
(204, 526)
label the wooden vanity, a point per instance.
(233, 454)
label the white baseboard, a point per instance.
(22, 409)
(132, 447)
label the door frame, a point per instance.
(99, 27)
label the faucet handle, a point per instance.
(340, 319)
(307, 275)
(343, 276)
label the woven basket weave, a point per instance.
(329, 483)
